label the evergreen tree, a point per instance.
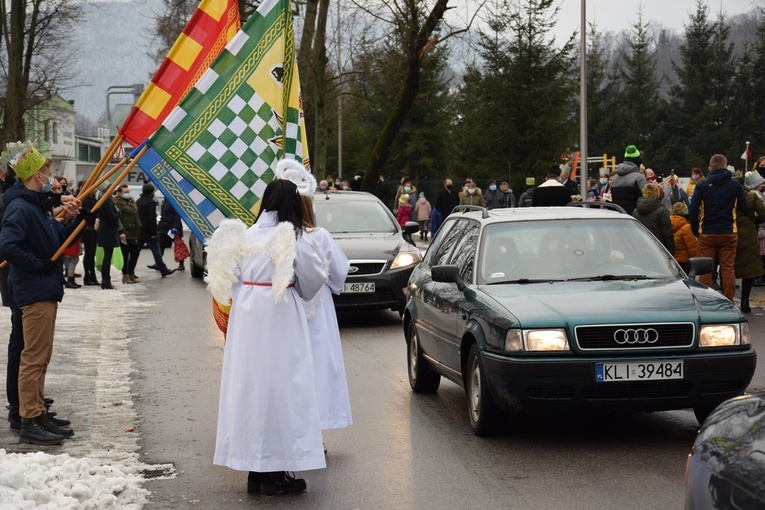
(641, 91)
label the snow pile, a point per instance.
(40, 480)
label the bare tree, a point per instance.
(418, 28)
(36, 62)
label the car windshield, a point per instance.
(352, 217)
(572, 250)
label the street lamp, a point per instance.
(135, 90)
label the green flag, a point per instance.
(244, 114)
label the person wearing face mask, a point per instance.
(324, 185)
(345, 186)
(130, 244)
(29, 237)
(472, 195)
(603, 186)
(505, 189)
(494, 198)
(406, 188)
(696, 177)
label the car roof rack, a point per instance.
(598, 205)
(468, 208)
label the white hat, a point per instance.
(291, 170)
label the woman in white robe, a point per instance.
(329, 367)
(268, 414)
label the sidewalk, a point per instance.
(90, 380)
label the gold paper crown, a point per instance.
(23, 158)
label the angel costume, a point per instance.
(331, 383)
(268, 415)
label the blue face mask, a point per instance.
(471, 190)
(126, 196)
(493, 187)
(47, 187)
(604, 181)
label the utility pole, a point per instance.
(583, 99)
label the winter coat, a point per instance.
(131, 225)
(686, 245)
(422, 209)
(711, 209)
(509, 198)
(30, 236)
(474, 199)
(170, 220)
(655, 217)
(551, 195)
(412, 196)
(109, 227)
(147, 213)
(748, 262)
(403, 214)
(446, 202)
(383, 192)
(495, 199)
(627, 186)
(527, 197)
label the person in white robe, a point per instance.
(329, 367)
(268, 414)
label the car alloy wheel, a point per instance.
(485, 416)
(422, 378)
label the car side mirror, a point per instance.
(411, 227)
(700, 265)
(447, 274)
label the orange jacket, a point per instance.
(686, 245)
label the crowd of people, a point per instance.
(38, 212)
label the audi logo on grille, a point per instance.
(636, 336)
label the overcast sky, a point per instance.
(616, 15)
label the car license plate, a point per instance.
(638, 371)
(358, 288)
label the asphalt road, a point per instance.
(404, 451)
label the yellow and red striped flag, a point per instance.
(211, 27)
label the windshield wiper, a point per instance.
(607, 277)
(523, 281)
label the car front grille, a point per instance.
(638, 390)
(635, 336)
(366, 268)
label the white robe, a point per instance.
(329, 368)
(268, 415)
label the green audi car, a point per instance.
(568, 307)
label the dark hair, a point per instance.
(281, 196)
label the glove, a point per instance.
(48, 266)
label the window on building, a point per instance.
(46, 130)
(55, 132)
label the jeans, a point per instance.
(130, 253)
(154, 247)
(15, 346)
(724, 247)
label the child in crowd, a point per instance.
(404, 213)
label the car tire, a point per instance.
(486, 418)
(196, 271)
(702, 412)
(422, 378)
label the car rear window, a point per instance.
(352, 217)
(565, 249)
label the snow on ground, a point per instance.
(89, 377)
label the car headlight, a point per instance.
(724, 335)
(406, 259)
(546, 340)
(536, 340)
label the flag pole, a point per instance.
(100, 202)
(116, 141)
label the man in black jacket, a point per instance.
(147, 213)
(716, 202)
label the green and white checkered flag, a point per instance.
(244, 114)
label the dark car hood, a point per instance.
(371, 246)
(573, 303)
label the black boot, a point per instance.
(253, 482)
(181, 266)
(281, 482)
(33, 431)
(70, 283)
(167, 271)
(58, 421)
(47, 421)
(745, 306)
(106, 283)
(15, 419)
